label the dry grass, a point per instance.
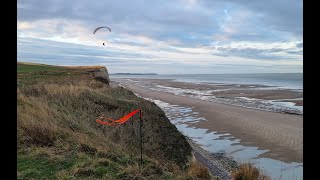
(85, 67)
(247, 171)
(58, 113)
(35, 120)
(197, 170)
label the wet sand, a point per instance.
(281, 133)
(235, 90)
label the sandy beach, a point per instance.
(281, 133)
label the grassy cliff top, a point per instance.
(59, 138)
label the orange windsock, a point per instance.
(105, 123)
(127, 117)
(119, 121)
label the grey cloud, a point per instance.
(69, 49)
(53, 55)
(170, 19)
(57, 53)
(299, 45)
(114, 12)
(282, 15)
(165, 20)
(299, 52)
(255, 53)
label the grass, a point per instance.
(198, 171)
(58, 137)
(247, 171)
(31, 74)
(41, 167)
(28, 68)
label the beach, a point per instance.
(282, 133)
(278, 135)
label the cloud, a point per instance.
(272, 51)
(299, 45)
(176, 61)
(199, 33)
(254, 53)
(173, 19)
(284, 15)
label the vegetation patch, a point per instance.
(59, 138)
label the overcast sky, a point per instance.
(165, 37)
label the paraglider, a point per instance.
(94, 32)
(101, 27)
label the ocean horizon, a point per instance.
(276, 80)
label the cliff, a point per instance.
(58, 138)
(100, 74)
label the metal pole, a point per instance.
(141, 138)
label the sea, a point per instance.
(266, 81)
(280, 80)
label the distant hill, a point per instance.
(134, 74)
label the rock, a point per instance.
(101, 74)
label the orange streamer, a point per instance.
(119, 121)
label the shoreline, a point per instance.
(280, 133)
(257, 97)
(218, 164)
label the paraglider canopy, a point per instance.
(94, 32)
(99, 29)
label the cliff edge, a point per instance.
(101, 74)
(58, 137)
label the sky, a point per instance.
(164, 37)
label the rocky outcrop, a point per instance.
(101, 74)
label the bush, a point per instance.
(248, 172)
(198, 171)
